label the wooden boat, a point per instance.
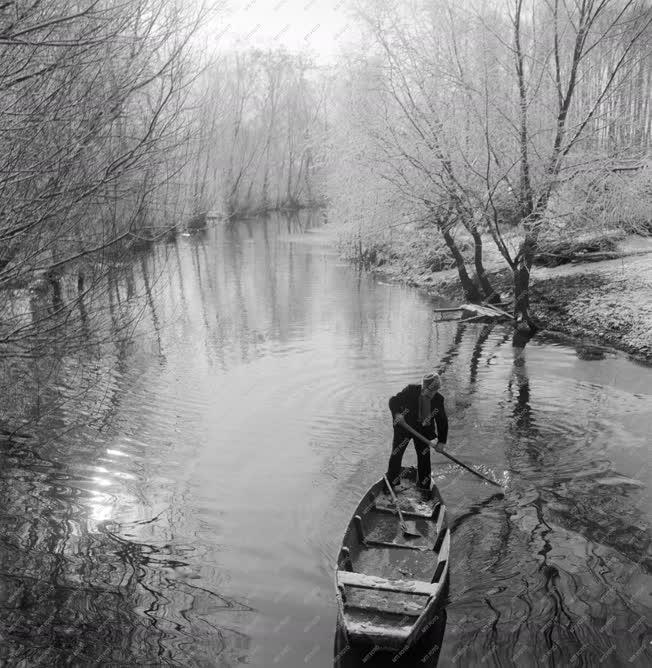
(388, 586)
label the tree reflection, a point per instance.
(523, 426)
(60, 600)
(74, 591)
(77, 592)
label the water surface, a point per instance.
(182, 498)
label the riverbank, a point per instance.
(608, 302)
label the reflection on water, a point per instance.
(178, 488)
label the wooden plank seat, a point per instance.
(384, 602)
(345, 578)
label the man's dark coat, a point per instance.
(407, 403)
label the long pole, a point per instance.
(421, 437)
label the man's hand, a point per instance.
(399, 419)
(439, 447)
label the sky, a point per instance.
(322, 26)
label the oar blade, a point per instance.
(410, 530)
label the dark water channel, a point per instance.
(183, 498)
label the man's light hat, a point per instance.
(431, 381)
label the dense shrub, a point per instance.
(366, 250)
(428, 248)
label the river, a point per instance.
(182, 497)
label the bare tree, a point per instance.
(479, 112)
(262, 127)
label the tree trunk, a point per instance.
(490, 294)
(521, 277)
(471, 292)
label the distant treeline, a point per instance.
(263, 121)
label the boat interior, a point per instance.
(375, 544)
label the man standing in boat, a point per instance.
(422, 408)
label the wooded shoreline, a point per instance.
(601, 303)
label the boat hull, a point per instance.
(389, 586)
